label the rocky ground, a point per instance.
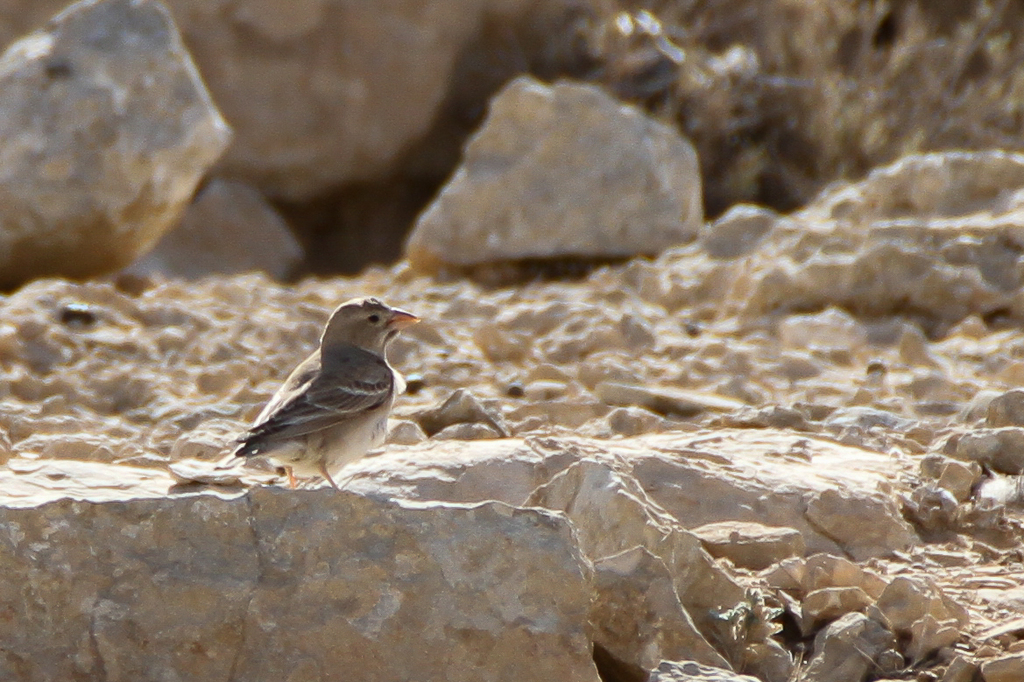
(636, 444)
(854, 474)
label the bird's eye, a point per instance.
(374, 319)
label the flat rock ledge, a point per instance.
(281, 585)
(511, 559)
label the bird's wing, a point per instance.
(297, 382)
(352, 382)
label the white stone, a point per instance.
(105, 131)
(562, 171)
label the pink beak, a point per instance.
(401, 319)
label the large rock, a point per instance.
(936, 236)
(686, 590)
(848, 650)
(105, 131)
(279, 585)
(637, 616)
(838, 497)
(229, 228)
(323, 93)
(750, 545)
(562, 171)
(1000, 448)
(656, 593)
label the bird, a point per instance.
(333, 408)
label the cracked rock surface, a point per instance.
(270, 584)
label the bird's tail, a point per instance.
(242, 446)
(247, 446)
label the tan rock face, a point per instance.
(657, 594)
(229, 228)
(847, 650)
(750, 545)
(1003, 669)
(830, 493)
(638, 615)
(613, 514)
(697, 478)
(106, 131)
(142, 592)
(919, 233)
(562, 171)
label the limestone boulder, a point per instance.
(839, 497)
(562, 171)
(750, 545)
(938, 234)
(1003, 669)
(274, 584)
(105, 130)
(657, 593)
(613, 516)
(848, 650)
(229, 228)
(637, 615)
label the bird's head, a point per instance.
(366, 323)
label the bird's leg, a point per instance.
(326, 474)
(291, 477)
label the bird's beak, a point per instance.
(401, 319)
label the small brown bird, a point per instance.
(334, 406)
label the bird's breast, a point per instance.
(349, 442)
